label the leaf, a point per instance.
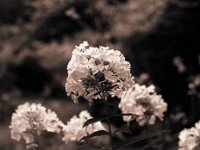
(123, 128)
(121, 115)
(139, 138)
(96, 133)
(85, 145)
(98, 102)
(90, 145)
(152, 143)
(112, 105)
(93, 120)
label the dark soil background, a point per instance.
(38, 36)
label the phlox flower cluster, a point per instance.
(74, 130)
(94, 71)
(30, 120)
(189, 139)
(143, 103)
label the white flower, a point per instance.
(74, 130)
(143, 103)
(30, 120)
(94, 70)
(189, 139)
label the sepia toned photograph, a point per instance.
(99, 75)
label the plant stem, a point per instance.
(107, 109)
(109, 126)
(104, 97)
(35, 144)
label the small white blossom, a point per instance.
(189, 139)
(143, 103)
(93, 70)
(74, 130)
(30, 120)
(194, 85)
(178, 62)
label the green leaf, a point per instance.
(93, 120)
(139, 138)
(96, 133)
(123, 128)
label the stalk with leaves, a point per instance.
(97, 73)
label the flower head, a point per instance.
(74, 130)
(189, 138)
(143, 103)
(31, 119)
(94, 70)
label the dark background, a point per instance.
(38, 36)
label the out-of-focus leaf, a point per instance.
(97, 133)
(139, 138)
(123, 128)
(93, 120)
